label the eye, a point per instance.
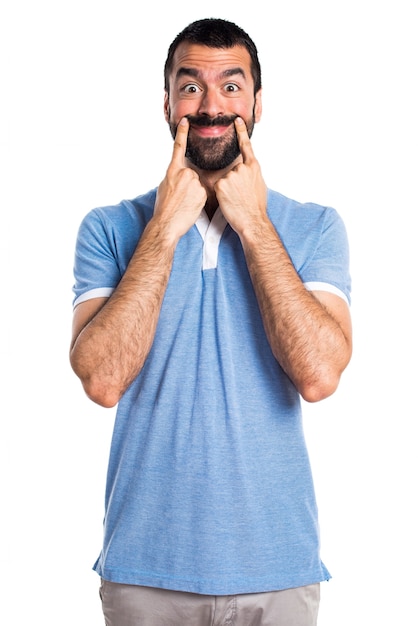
(191, 88)
(231, 87)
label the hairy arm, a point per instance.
(309, 333)
(111, 342)
(112, 337)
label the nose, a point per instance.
(211, 103)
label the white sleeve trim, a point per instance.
(318, 286)
(100, 292)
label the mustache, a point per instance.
(204, 120)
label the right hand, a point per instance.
(180, 196)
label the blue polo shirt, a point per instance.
(209, 487)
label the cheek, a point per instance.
(180, 109)
(241, 107)
(245, 110)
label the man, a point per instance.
(205, 309)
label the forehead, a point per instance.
(210, 62)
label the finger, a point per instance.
(180, 142)
(243, 140)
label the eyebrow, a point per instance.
(191, 71)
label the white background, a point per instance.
(82, 125)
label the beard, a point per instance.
(213, 153)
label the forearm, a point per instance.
(111, 349)
(111, 346)
(308, 342)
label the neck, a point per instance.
(208, 179)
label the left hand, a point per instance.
(242, 192)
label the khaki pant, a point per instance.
(131, 605)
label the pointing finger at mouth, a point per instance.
(180, 142)
(243, 140)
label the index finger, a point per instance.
(243, 140)
(180, 142)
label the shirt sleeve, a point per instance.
(96, 270)
(327, 268)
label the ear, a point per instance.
(258, 106)
(166, 107)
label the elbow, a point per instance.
(98, 391)
(324, 381)
(317, 392)
(320, 387)
(101, 395)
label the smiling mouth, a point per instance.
(205, 126)
(210, 131)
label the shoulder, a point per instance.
(126, 212)
(294, 219)
(122, 222)
(280, 206)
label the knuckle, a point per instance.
(178, 144)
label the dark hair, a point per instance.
(215, 33)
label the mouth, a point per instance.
(203, 126)
(210, 131)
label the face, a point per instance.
(211, 87)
